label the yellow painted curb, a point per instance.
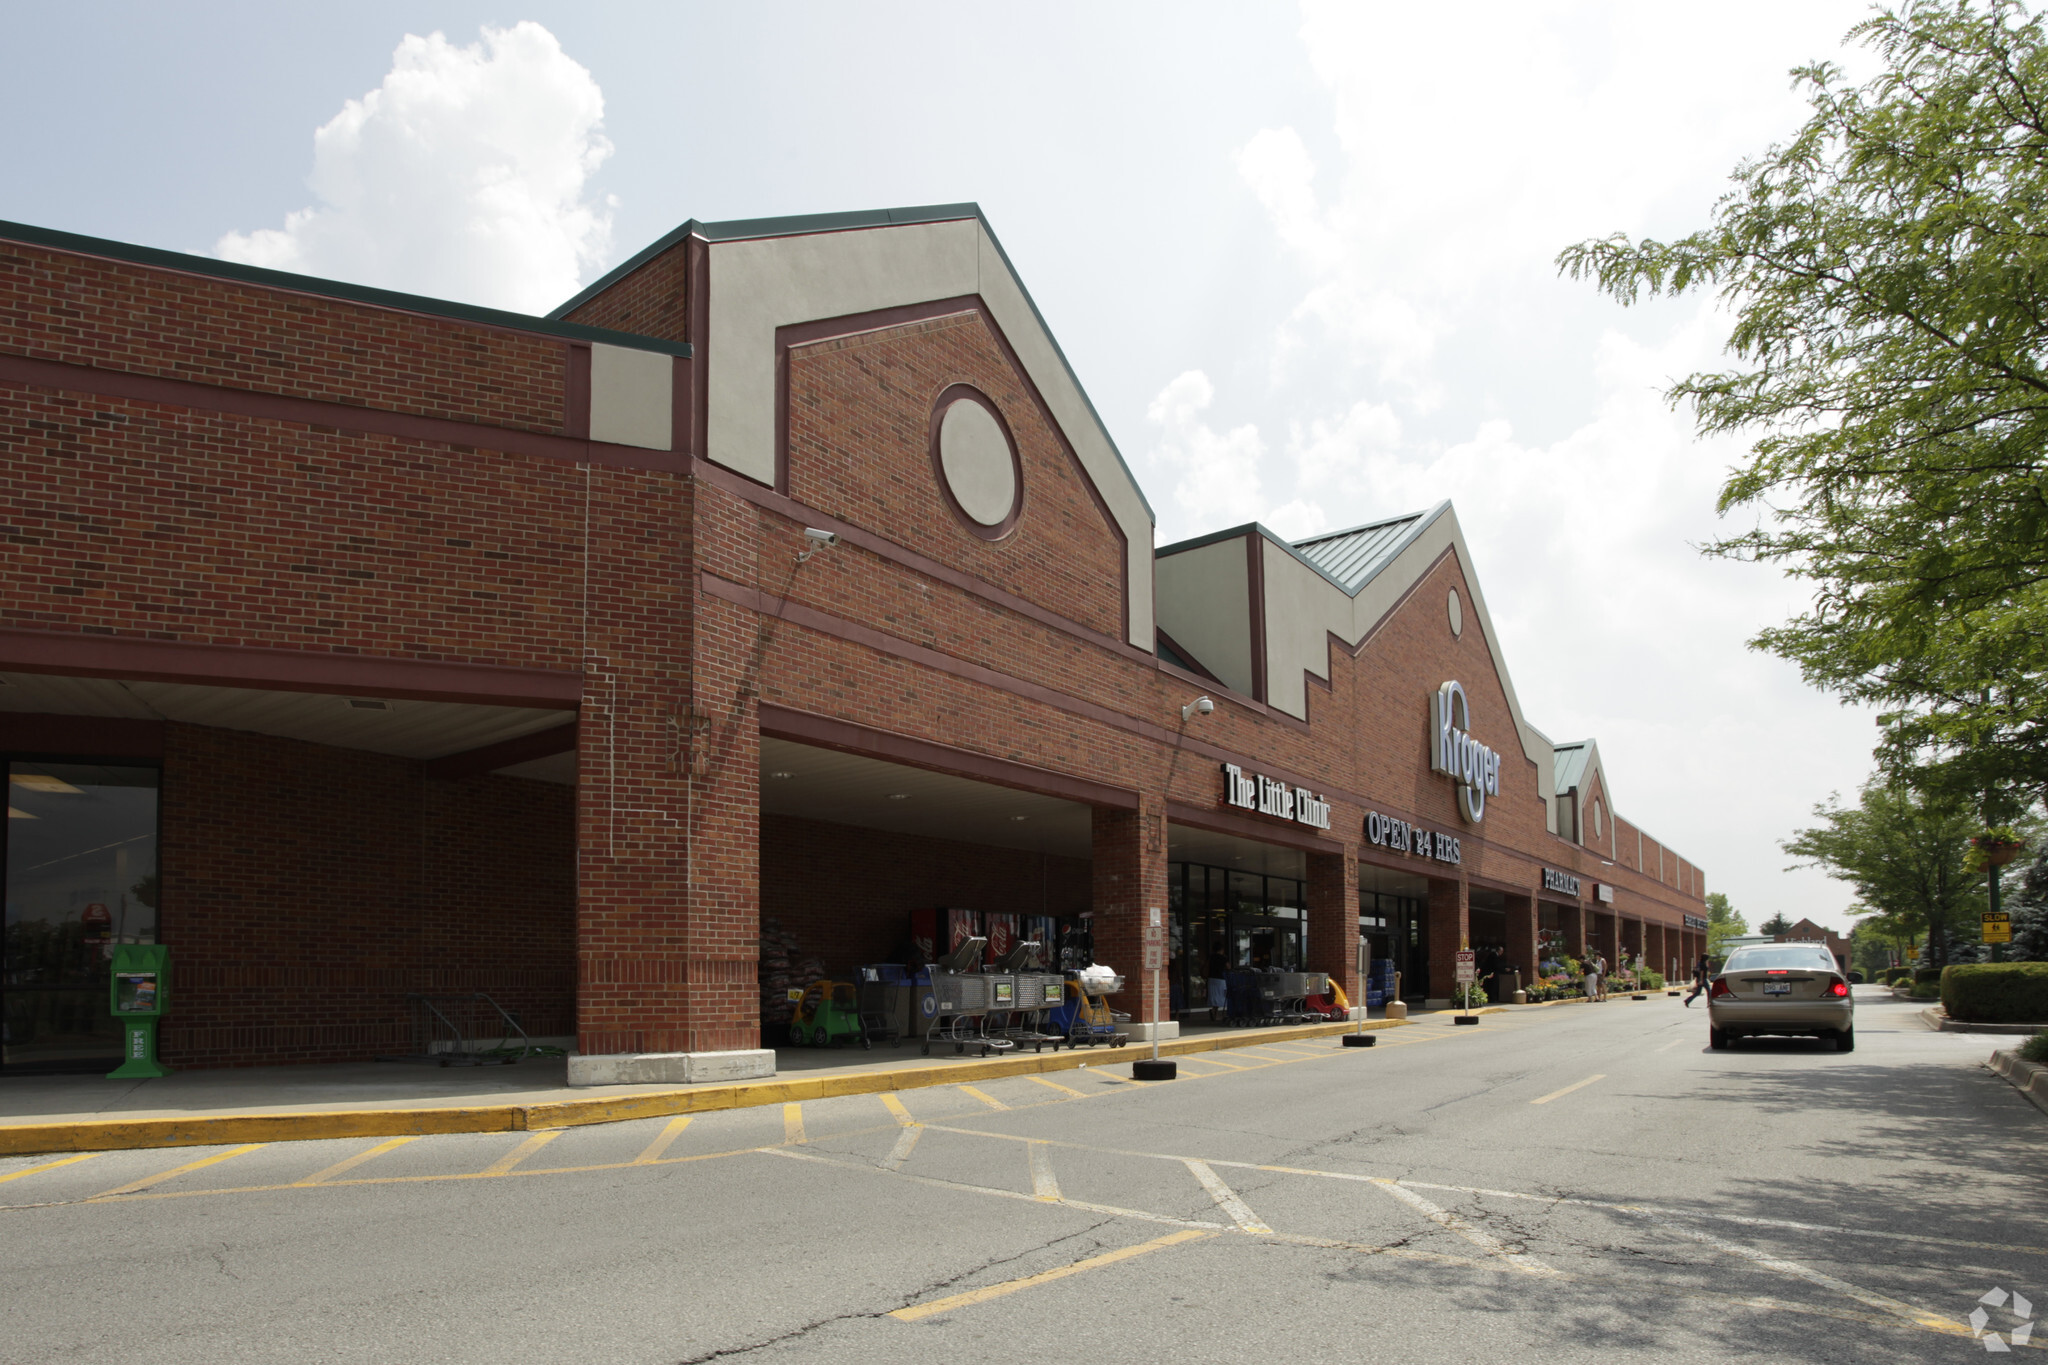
(201, 1130)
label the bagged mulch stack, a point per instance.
(783, 969)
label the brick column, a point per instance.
(667, 875)
(1522, 937)
(1449, 925)
(1631, 936)
(1333, 920)
(1129, 883)
(1655, 955)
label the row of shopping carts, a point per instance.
(1020, 1004)
(1277, 997)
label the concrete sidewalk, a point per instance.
(372, 1099)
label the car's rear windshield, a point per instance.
(1783, 955)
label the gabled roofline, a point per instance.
(1423, 521)
(185, 263)
(799, 225)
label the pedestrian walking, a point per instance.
(1600, 974)
(1700, 972)
(1592, 982)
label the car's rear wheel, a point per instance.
(1845, 1040)
(1717, 1039)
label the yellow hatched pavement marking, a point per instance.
(660, 1144)
(990, 1100)
(793, 1124)
(895, 1107)
(1212, 1057)
(47, 1166)
(1063, 1089)
(504, 1164)
(1575, 1085)
(1043, 1184)
(1443, 1217)
(996, 1291)
(343, 1167)
(1226, 1198)
(176, 1171)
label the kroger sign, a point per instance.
(1453, 752)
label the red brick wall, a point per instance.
(84, 310)
(860, 449)
(307, 890)
(651, 301)
(847, 893)
(135, 518)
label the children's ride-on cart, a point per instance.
(1085, 1016)
(827, 1015)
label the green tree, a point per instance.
(1887, 270)
(1779, 923)
(1903, 850)
(1724, 921)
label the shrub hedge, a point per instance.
(2035, 1049)
(1996, 992)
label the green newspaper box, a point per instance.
(138, 986)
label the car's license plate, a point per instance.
(1777, 988)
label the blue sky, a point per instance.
(1299, 255)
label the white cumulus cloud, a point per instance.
(465, 175)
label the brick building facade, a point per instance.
(787, 570)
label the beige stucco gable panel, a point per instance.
(632, 397)
(761, 284)
(1077, 422)
(1205, 605)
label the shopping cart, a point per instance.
(1034, 993)
(1283, 996)
(959, 1001)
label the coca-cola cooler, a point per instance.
(924, 934)
(961, 925)
(1002, 934)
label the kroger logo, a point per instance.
(2018, 1307)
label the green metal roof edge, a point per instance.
(798, 225)
(78, 243)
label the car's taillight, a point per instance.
(1839, 989)
(1720, 989)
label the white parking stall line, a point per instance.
(1043, 1183)
(1444, 1218)
(906, 1142)
(1226, 1199)
(1918, 1316)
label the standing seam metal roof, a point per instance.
(1352, 557)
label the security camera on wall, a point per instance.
(823, 538)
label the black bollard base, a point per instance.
(1639, 997)
(1466, 1019)
(1360, 1039)
(1150, 1070)
(1671, 992)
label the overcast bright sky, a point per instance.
(1300, 256)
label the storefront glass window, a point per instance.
(81, 876)
(1245, 921)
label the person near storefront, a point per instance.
(1592, 981)
(1701, 970)
(1219, 988)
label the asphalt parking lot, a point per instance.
(1557, 1183)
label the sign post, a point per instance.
(1468, 972)
(1998, 926)
(1152, 1068)
(1360, 1038)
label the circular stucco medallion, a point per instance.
(976, 461)
(1457, 610)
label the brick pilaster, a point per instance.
(1333, 919)
(1522, 936)
(1129, 883)
(1449, 927)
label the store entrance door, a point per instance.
(81, 877)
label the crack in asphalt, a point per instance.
(922, 1292)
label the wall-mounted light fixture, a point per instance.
(1200, 706)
